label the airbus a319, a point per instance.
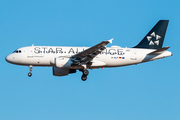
(67, 60)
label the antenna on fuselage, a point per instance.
(32, 44)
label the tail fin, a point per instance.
(155, 38)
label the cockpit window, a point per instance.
(17, 51)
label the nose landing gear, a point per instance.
(30, 69)
(84, 76)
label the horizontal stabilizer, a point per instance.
(159, 51)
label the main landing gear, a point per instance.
(84, 75)
(30, 69)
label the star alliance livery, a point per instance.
(67, 60)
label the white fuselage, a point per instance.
(110, 57)
(67, 60)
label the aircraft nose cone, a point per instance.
(9, 58)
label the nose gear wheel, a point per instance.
(30, 69)
(29, 74)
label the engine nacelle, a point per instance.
(62, 62)
(62, 71)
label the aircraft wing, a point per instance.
(88, 54)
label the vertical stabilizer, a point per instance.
(155, 38)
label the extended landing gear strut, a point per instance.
(84, 75)
(30, 69)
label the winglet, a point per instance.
(110, 41)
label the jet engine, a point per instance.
(62, 71)
(62, 62)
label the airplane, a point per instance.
(67, 60)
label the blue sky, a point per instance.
(139, 92)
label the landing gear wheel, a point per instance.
(84, 77)
(29, 74)
(85, 72)
(30, 69)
